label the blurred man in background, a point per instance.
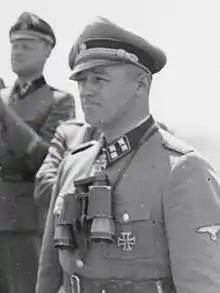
(30, 112)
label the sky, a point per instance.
(185, 94)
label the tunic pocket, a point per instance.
(134, 232)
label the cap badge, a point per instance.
(24, 26)
(34, 20)
(82, 47)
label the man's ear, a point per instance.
(143, 82)
(48, 49)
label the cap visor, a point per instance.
(30, 35)
(23, 36)
(90, 64)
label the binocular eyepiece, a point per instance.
(89, 210)
(64, 236)
(100, 211)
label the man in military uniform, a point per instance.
(133, 208)
(30, 112)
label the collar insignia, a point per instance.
(126, 143)
(118, 149)
(20, 92)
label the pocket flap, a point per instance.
(131, 211)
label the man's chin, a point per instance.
(18, 70)
(93, 123)
(92, 120)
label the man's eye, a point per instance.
(26, 47)
(30, 47)
(100, 78)
(80, 79)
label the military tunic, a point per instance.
(26, 129)
(167, 215)
(67, 136)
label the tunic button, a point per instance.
(103, 291)
(126, 217)
(79, 263)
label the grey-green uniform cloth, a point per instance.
(26, 129)
(168, 205)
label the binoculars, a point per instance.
(88, 211)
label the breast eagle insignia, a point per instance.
(212, 230)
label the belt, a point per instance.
(79, 284)
(16, 176)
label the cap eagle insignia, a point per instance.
(213, 231)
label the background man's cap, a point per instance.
(31, 26)
(105, 43)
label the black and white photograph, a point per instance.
(110, 146)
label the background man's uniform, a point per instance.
(66, 138)
(28, 119)
(166, 202)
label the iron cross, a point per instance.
(126, 241)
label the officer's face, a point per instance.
(106, 93)
(28, 56)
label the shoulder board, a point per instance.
(174, 144)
